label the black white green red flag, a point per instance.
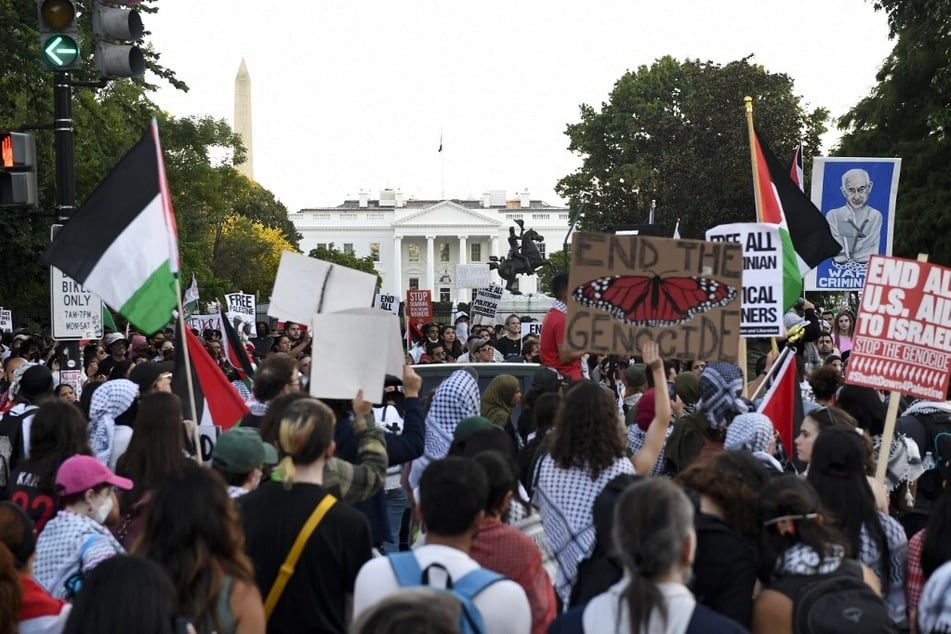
(122, 243)
(217, 402)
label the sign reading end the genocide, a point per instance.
(902, 338)
(761, 306)
(628, 289)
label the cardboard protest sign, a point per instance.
(761, 304)
(242, 314)
(902, 339)
(305, 286)
(472, 275)
(389, 303)
(343, 365)
(683, 294)
(486, 304)
(201, 323)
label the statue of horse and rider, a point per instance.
(524, 257)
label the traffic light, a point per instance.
(116, 28)
(18, 169)
(59, 34)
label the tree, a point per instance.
(332, 254)
(247, 257)
(675, 132)
(908, 115)
(562, 265)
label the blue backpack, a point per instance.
(409, 574)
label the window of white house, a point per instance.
(413, 251)
(444, 295)
(444, 252)
(375, 251)
(475, 252)
(321, 245)
(414, 283)
(541, 248)
(348, 248)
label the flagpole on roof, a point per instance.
(757, 194)
(188, 364)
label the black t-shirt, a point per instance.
(508, 346)
(315, 597)
(38, 502)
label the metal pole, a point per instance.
(63, 142)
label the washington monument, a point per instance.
(242, 118)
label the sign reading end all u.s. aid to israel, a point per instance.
(902, 338)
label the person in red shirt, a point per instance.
(554, 352)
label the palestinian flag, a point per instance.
(782, 403)
(235, 352)
(805, 234)
(122, 244)
(216, 400)
(190, 301)
(795, 168)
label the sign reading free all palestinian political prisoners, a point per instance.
(902, 338)
(683, 294)
(486, 303)
(761, 305)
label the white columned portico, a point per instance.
(463, 259)
(431, 264)
(397, 283)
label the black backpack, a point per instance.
(11, 443)
(841, 603)
(937, 427)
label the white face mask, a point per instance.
(103, 510)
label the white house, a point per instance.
(418, 243)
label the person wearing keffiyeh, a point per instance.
(457, 397)
(720, 402)
(110, 401)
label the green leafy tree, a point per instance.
(561, 262)
(332, 254)
(675, 133)
(907, 115)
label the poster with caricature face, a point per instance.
(857, 197)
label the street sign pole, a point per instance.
(63, 138)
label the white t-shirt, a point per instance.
(503, 605)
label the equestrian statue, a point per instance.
(524, 257)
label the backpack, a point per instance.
(840, 603)
(937, 428)
(465, 589)
(11, 442)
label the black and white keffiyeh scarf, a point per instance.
(720, 387)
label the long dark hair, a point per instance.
(789, 496)
(837, 472)
(936, 549)
(156, 448)
(192, 530)
(587, 432)
(652, 519)
(58, 432)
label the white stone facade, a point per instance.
(420, 242)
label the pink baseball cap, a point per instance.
(79, 473)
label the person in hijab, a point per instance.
(457, 397)
(754, 433)
(109, 403)
(704, 431)
(502, 395)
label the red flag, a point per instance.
(216, 400)
(783, 402)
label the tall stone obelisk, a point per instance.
(242, 118)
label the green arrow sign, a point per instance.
(60, 51)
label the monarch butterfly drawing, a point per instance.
(652, 300)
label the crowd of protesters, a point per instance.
(616, 494)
